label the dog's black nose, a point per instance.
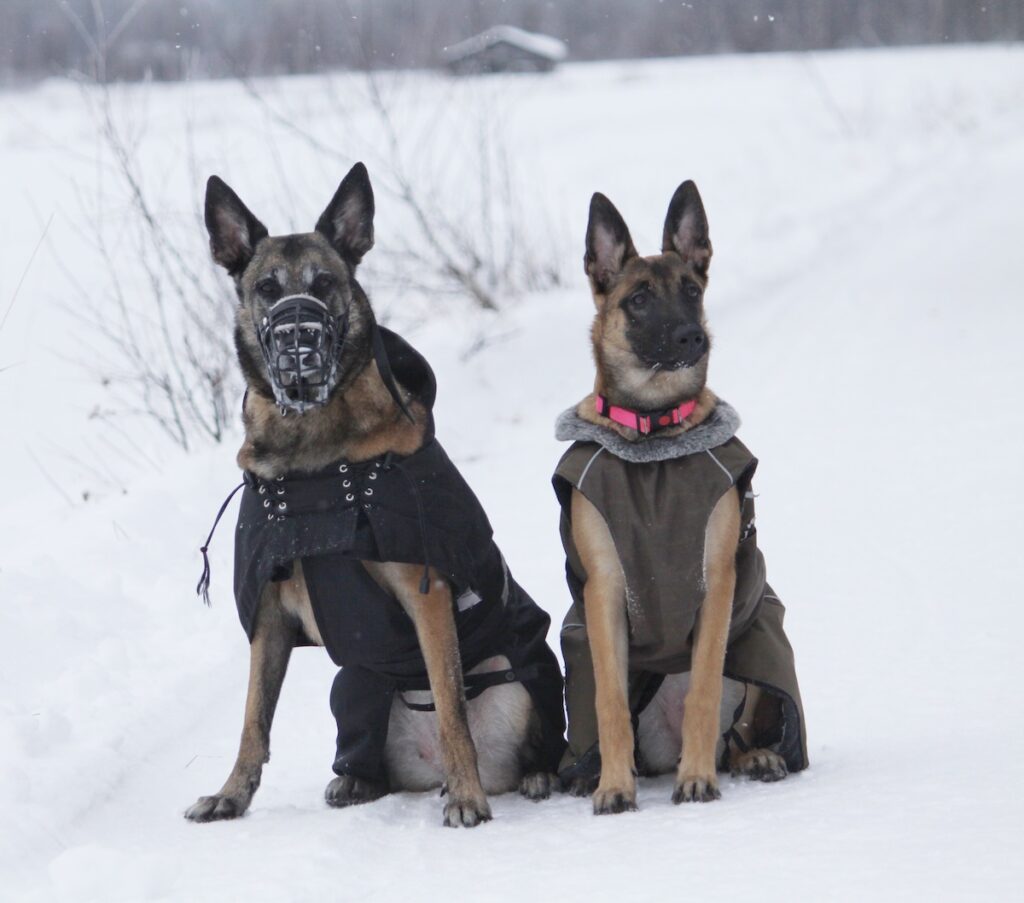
(689, 341)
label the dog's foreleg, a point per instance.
(433, 615)
(269, 653)
(695, 779)
(604, 604)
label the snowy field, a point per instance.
(867, 213)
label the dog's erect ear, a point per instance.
(686, 228)
(608, 243)
(348, 220)
(234, 231)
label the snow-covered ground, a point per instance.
(867, 212)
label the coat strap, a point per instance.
(474, 684)
(203, 586)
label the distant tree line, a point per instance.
(172, 39)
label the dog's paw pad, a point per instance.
(538, 786)
(350, 791)
(696, 789)
(760, 765)
(214, 808)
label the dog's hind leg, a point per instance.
(432, 614)
(760, 711)
(269, 652)
(695, 778)
(604, 602)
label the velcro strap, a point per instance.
(474, 684)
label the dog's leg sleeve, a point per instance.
(361, 705)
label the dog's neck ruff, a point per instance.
(719, 427)
(644, 422)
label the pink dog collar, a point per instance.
(644, 422)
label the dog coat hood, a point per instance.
(415, 509)
(655, 503)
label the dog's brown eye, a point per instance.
(692, 290)
(324, 282)
(267, 287)
(638, 299)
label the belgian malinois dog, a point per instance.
(651, 347)
(328, 425)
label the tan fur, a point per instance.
(295, 603)
(604, 601)
(359, 423)
(269, 652)
(431, 613)
(695, 778)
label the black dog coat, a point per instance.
(414, 509)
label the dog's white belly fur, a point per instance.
(660, 729)
(499, 719)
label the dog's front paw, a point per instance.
(466, 811)
(538, 786)
(612, 800)
(760, 765)
(696, 788)
(351, 791)
(216, 808)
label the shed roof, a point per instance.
(539, 44)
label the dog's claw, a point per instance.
(347, 790)
(215, 808)
(612, 802)
(696, 789)
(466, 813)
(538, 786)
(760, 765)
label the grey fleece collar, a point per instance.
(718, 429)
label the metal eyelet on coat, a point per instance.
(279, 479)
(349, 497)
(373, 475)
(262, 490)
(270, 516)
(266, 503)
(368, 491)
(282, 506)
(346, 483)
(342, 468)
(280, 490)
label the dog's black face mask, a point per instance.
(301, 342)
